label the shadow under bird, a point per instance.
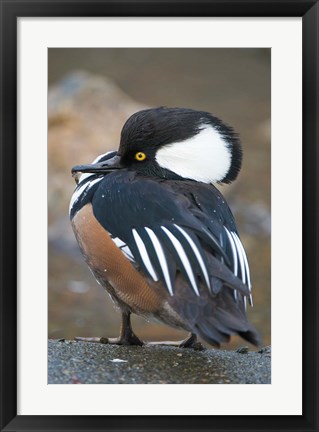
(158, 235)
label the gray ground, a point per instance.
(90, 363)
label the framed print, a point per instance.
(263, 53)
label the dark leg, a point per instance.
(127, 336)
(189, 342)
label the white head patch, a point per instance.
(205, 157)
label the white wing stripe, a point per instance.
(179, 248)
(127, 252)
(76, 195)
(91, 183)
(251, 300)
(85, 176)
(101, 156)
(78, 191)
(233, 248)
(196, 252)
(119, 243)
(240, 251)
(123, 248)
(245, 261)
(161, 257)
(241, 258)
(247, 271)
(144, 255)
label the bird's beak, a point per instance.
(106, 166)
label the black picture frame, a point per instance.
(11, 10)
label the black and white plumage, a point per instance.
(155, 199)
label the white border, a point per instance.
(283, 396)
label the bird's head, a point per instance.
(174, 143)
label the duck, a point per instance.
(157, 233)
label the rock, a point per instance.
(93, 363)
(85, 117)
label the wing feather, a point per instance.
(143, 252)
(167, 230)
(162, 260)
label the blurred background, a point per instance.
(91, 94)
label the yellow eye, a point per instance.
(140, 156)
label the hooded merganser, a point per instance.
(156, 233)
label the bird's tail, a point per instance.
(219, 327)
